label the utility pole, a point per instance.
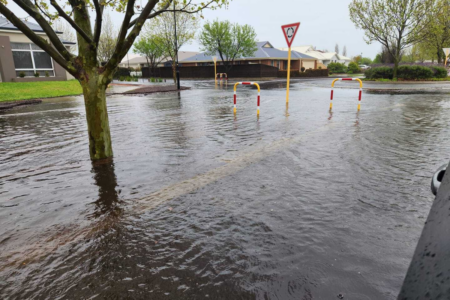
(176, 47)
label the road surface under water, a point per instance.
(199, 204)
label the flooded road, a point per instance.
(198, 204)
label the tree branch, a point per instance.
(32, 10)
(98, 21)
(70, 21)
(39, 41)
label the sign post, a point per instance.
(447, 52)
(289, 31)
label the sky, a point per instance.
(323, 23)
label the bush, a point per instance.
(128, 78)
(47, 74)
(152, 79)
(379, 72)
(303, 69)
(414, 72)
(353, 68)
(36, 74)
(160, 80)
(122, 78)
(22, 74)
(121, 72)
(439, 72)
(337, 68)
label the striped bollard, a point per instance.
(259, 95)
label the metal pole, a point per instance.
(288, 75)
(176, 47)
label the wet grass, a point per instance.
(406, 80)
(10, 91)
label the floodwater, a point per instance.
(198, 204)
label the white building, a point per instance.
(324, 57)
(137, 61)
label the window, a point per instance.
(30, 59)
(273, 63)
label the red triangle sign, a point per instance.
(290, 31)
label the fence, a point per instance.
(237, 71)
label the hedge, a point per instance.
(307, 73)
(122, 72)
(409, 72)
(337, 68)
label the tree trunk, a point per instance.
(174, 71)
(94, 91)
(395, 69)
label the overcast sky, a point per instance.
(323, 23)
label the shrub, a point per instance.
(36, 74)
(320, 68)
(439, 72)
(160, 80)
(128, 78)
(22, 74)
(353, 68)
(303, 69)
(379, 72)
(47, 74)
(152, 79)
(122, 78)
(337, 68)
(414, 72)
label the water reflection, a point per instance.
(108, 203)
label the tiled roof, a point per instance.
(261, 53)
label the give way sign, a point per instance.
(290, 31)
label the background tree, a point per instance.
(344, 51)
(336, 48)
(229, 40)
(393, 23)
(163, 27)
(108, 39)
(85, 66)
(152, 48)
(68, 33)
(438, 33)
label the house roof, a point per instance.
(309, 50)
(7, 25)
(265, 51)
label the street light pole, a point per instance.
(176, 48)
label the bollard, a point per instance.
(259, 95)
(347, 79)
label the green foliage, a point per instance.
(36, 74)
(122, 78)
(379, 72)
(152, 48)
(22, 74)
(353, 68)
(160, 80)
(439, 72)
(231, 41)
(377, 59)
(337, 68)
(414, 72)
(152, 79)
(365, 61)
(407, 72)
(42, 89)
(47, 74)
(303, 69)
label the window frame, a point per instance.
(34, 69)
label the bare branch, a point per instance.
(98, 21)
(70, 21)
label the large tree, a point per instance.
(85, 66)
(152, 48)
(438, 33)
(164, 27)
(229, 40)
(396, 24)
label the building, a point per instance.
(266, 54)
(324, 57)
(19, 56)
(140, 61)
